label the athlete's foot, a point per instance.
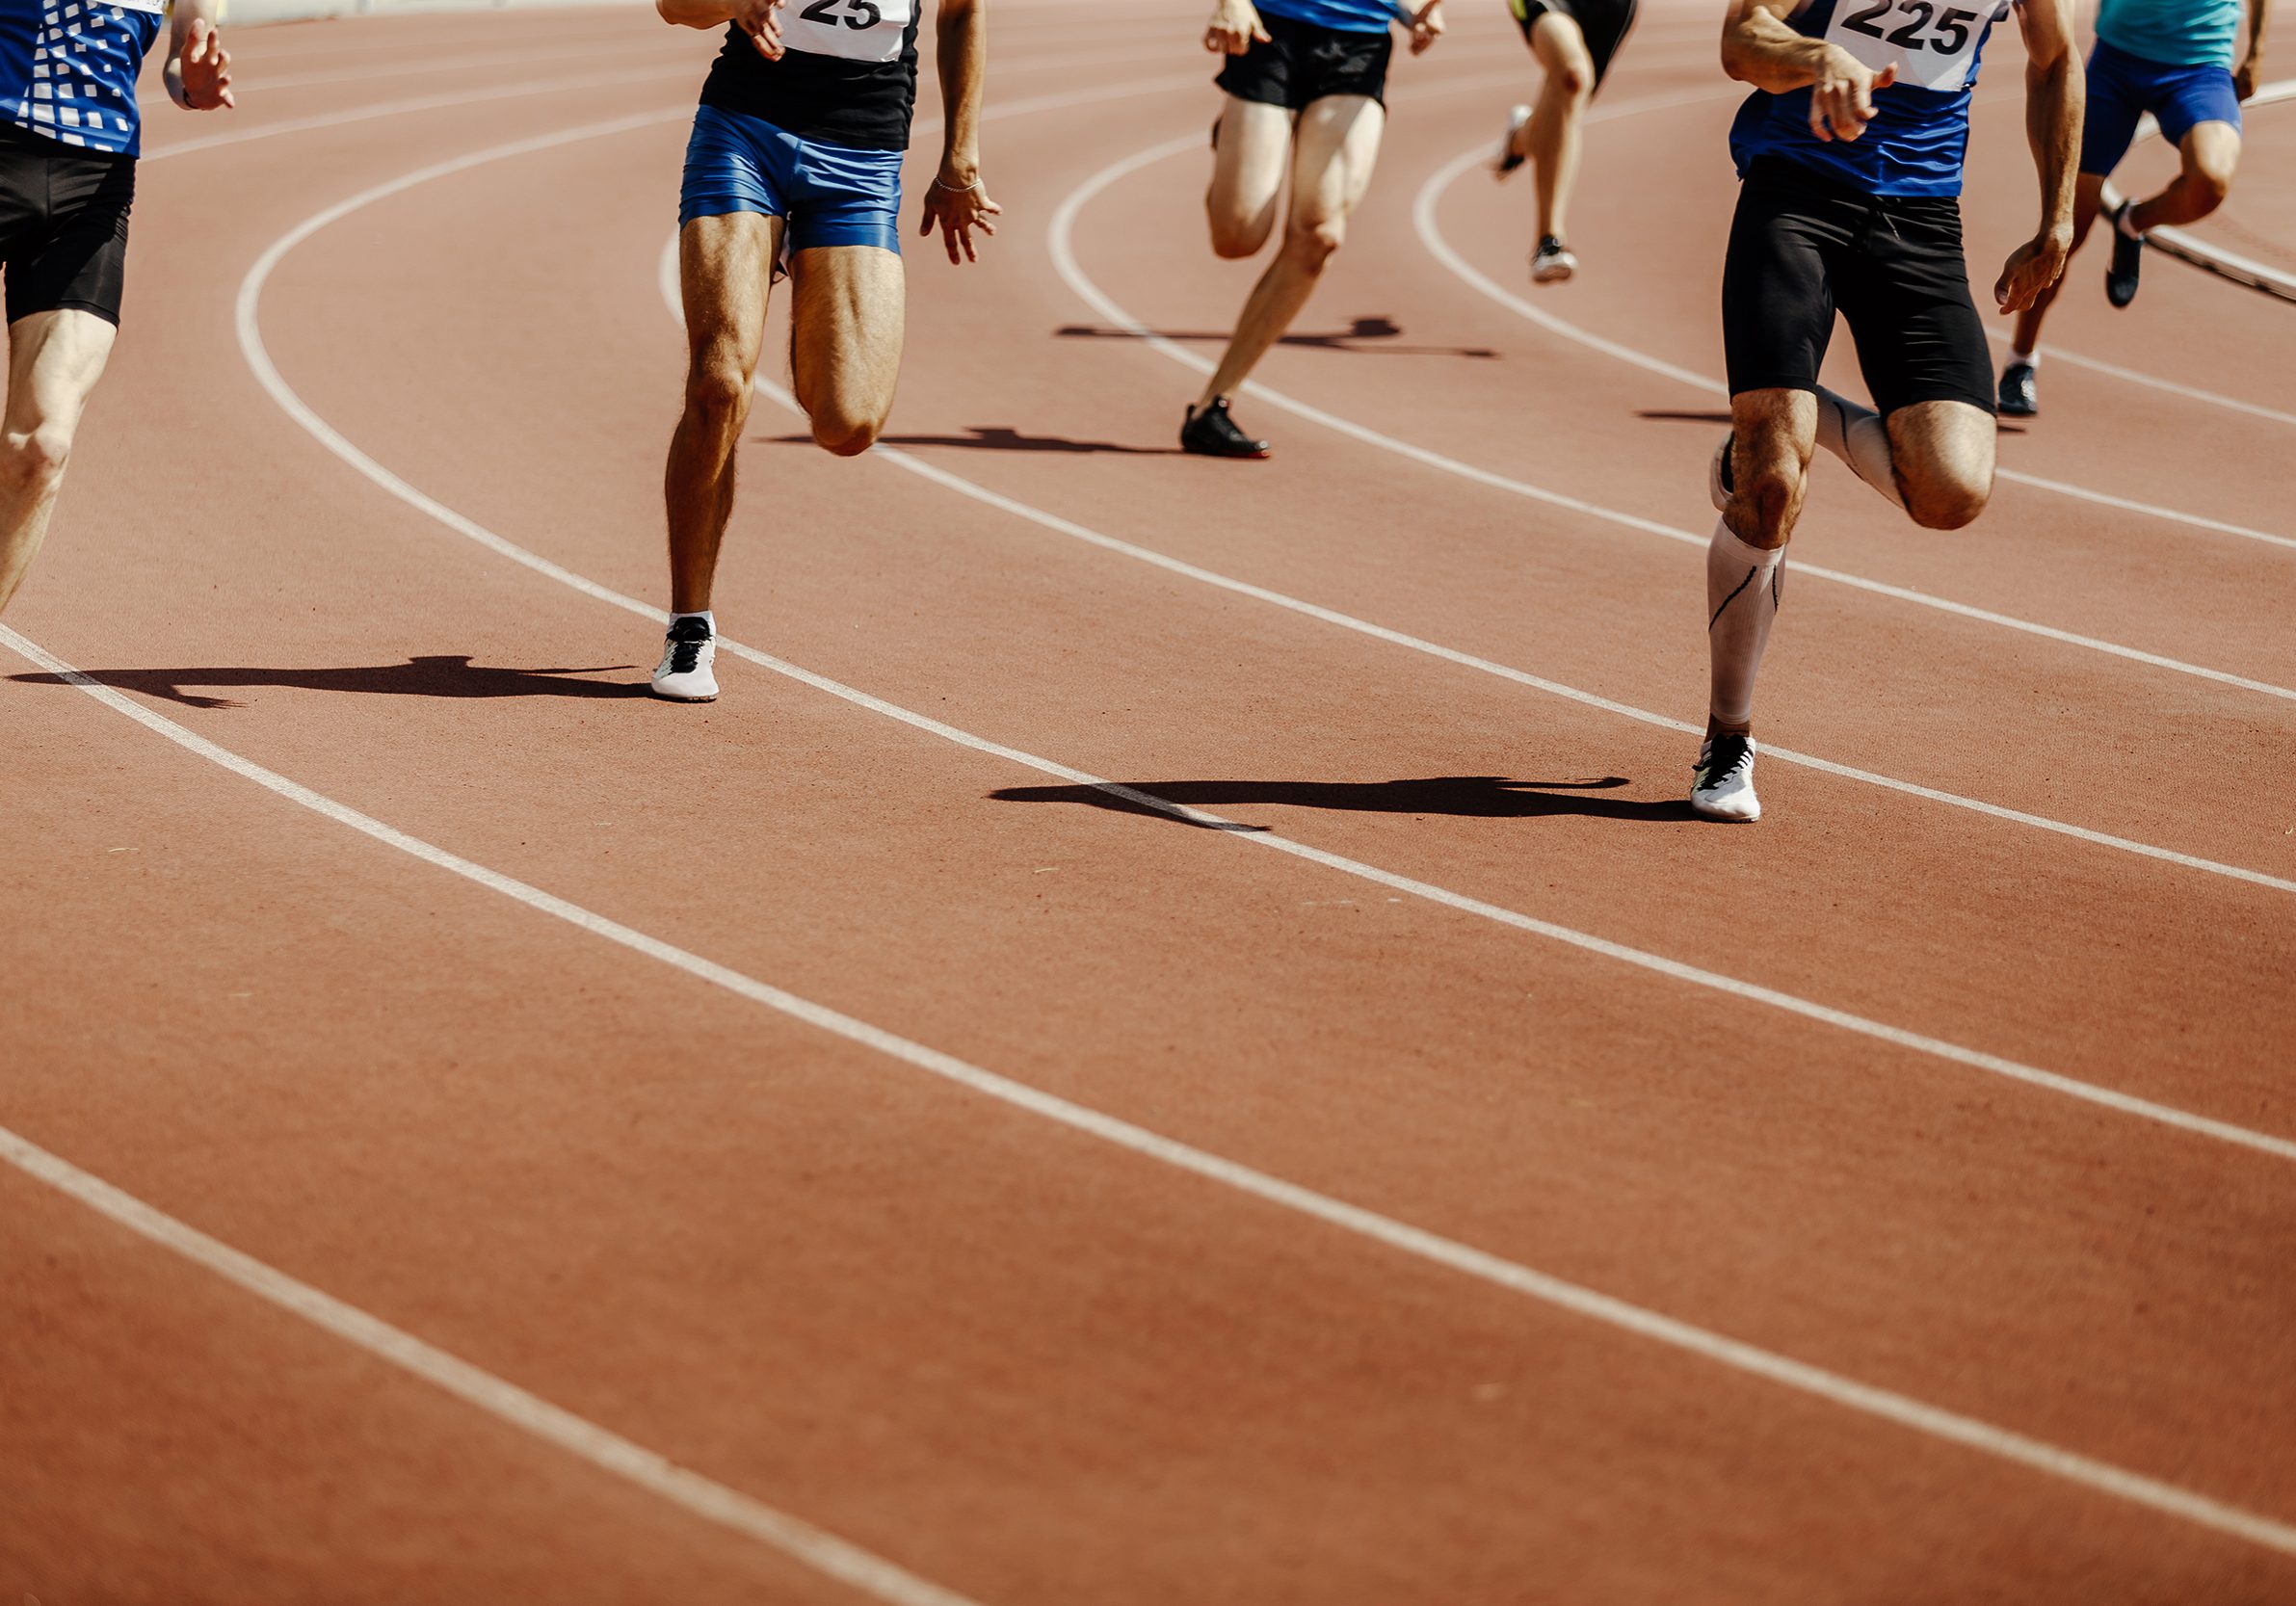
(1552, 262)
(2128, 259)
(1511, 156)
(2020, 390)
(1209, 433)
(1722, 476)
(1722, 788)
(689, 654)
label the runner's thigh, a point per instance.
(1334, 151)
(725, 275)
(847, 324)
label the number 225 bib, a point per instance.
(858, 30)
(1932, 45)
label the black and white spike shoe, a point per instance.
(687, 672)
(1722, 787)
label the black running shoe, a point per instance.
(2020, 391)
(1209, 433)
(2129, 259)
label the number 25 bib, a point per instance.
(858, 30)
(1932, 45)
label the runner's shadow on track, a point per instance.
(1472, 797)
(1365, 337)
(1000, 438)
(444, 675)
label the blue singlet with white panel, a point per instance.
(67, 69)
(1919, 137)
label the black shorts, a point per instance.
(1603, 24)
(1803, 246)
(1302, 64)
(62, 226)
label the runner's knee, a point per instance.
(718, 394)
(846, 432)
(1574, 80)
(1236, 236)
(1949, 500)
(34, 460)
(1310, 241)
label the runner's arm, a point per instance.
(958, 201)
(1426, 23)
(1759, 48)
(2055, 90)
(694, 13)
(198, 69)
(2245, 79)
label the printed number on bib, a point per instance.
(858, 30)
(1932, 45)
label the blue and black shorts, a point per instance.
(828, 195)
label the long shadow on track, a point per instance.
(441, 675)
(1478, 797)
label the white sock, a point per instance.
(2031, 360)
(2125, 223)
(706, 616)
(1741, 597)
(1858, 437)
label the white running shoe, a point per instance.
(1510, 159)
(1720, 474)
(1553, 263)
(689, 654)
(1723, 786)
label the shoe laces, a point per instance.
(687, 638)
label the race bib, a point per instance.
(1933, 43)
(858, 30)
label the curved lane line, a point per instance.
(1431, 235)
(832, 1556)
(267, 374)
(1064, 263)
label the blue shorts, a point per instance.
(829, 195)
(2122, 88)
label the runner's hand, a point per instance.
(2244, 82)
(958, 210)
(1841, 96)
(756, 18)
(2033, 267)
(1427, 26)
(205, 69)
(1234, 28)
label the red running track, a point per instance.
(1504, 1190)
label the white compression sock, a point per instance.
(2031, 358)
(1858, 437)
(1741, 597)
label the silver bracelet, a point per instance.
(956, 190)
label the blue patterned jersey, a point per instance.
(1919, 137)
(68, 68)
(1345, 16)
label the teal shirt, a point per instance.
(2180, 32)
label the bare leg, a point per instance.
(1553, 134)
(726, 273)
(54, 360)
(1334, 149)
(1943, 455)
(2212, 153)
(847, 325)
(1246, 176)
(2087, 202)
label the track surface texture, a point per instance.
(477, 1134)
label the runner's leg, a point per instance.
(2210, 153)
(1943, 453)
(724, 275)
(54, 360)
(1558, 118)
(1334, 149)
(1246, 176)
(2087, 202)
(847, 325)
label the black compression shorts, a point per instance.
(1302, 64)
(1603, 23)
(1803, 246)
(62, 226)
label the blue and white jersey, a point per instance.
(68, 68)
(1919, 137)
(1344, 16)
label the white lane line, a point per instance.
(537, 1417)
(1431, 235)
(1063, 259)
(833, 1556)
(267, 374)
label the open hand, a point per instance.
(2033, 267)
(757, 19)
(1234, 29)
(205, 69)
(1427, 26)
(1841, 96)
(956, 210)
